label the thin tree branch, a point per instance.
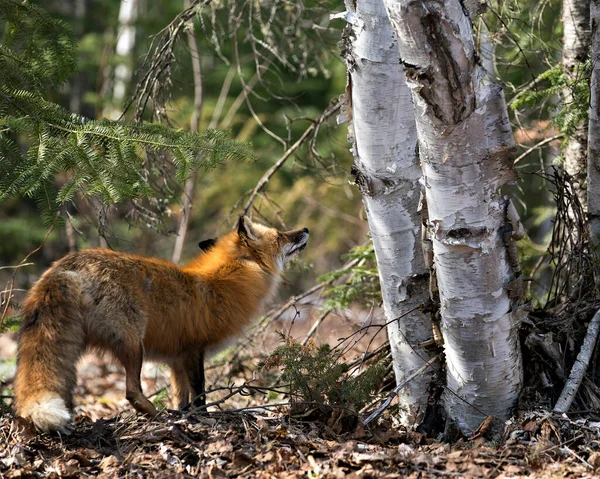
(15, 267)
(315, 326)
(214, 121)
(331, 110)
(246, 97)
(22, 263)
(160, 59)
(536, 146)
(235, 106)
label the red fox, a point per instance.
(138, 308)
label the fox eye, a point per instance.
(279, 236)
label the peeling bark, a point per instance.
(466, 147)
(387, 172)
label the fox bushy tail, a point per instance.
(51, 341)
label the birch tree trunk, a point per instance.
(124, 49)
(576, 43)
(594, 142)
(386, 170)
(466, 147)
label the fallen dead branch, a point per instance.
(580, 367)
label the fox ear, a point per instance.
(206, 244)
(245, 228)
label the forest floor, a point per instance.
(109, 440)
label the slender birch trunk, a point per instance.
(576, 43)
(124, 49)
(466, 147)
(386, 170)
(593, 170)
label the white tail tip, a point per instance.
(48, 413)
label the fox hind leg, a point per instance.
(132, 358)
(195, 373)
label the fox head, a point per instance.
(269, 246)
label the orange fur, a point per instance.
(136, 307)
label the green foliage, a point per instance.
(37, 51)
(110, 160)
(315, 375)
(161, 399)
(11, 323)
(571, 114)
(362, 284)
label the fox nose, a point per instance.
(305, 230)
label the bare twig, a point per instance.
(16, 267)
(246, 97)
(237, 103)
(331, 110)
(315, 326)
(375, 414)
(243, 390)
(157, 74)
(580, 367)
(216, 116)
(568, 252)
(22, 263)
(537, 146)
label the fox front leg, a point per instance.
(180, 385)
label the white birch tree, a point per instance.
(466, 148)
(386, 169)
(576, 42)
(593, 170)
(124, 49)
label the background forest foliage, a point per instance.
(268, 71)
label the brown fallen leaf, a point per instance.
(594, 460)
(109, 464)
(213, 472)
(241, 459)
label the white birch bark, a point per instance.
(487, 53)
(576, 42)
(593, 170)
(387, 172)
(124, 49)
(466, 148)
